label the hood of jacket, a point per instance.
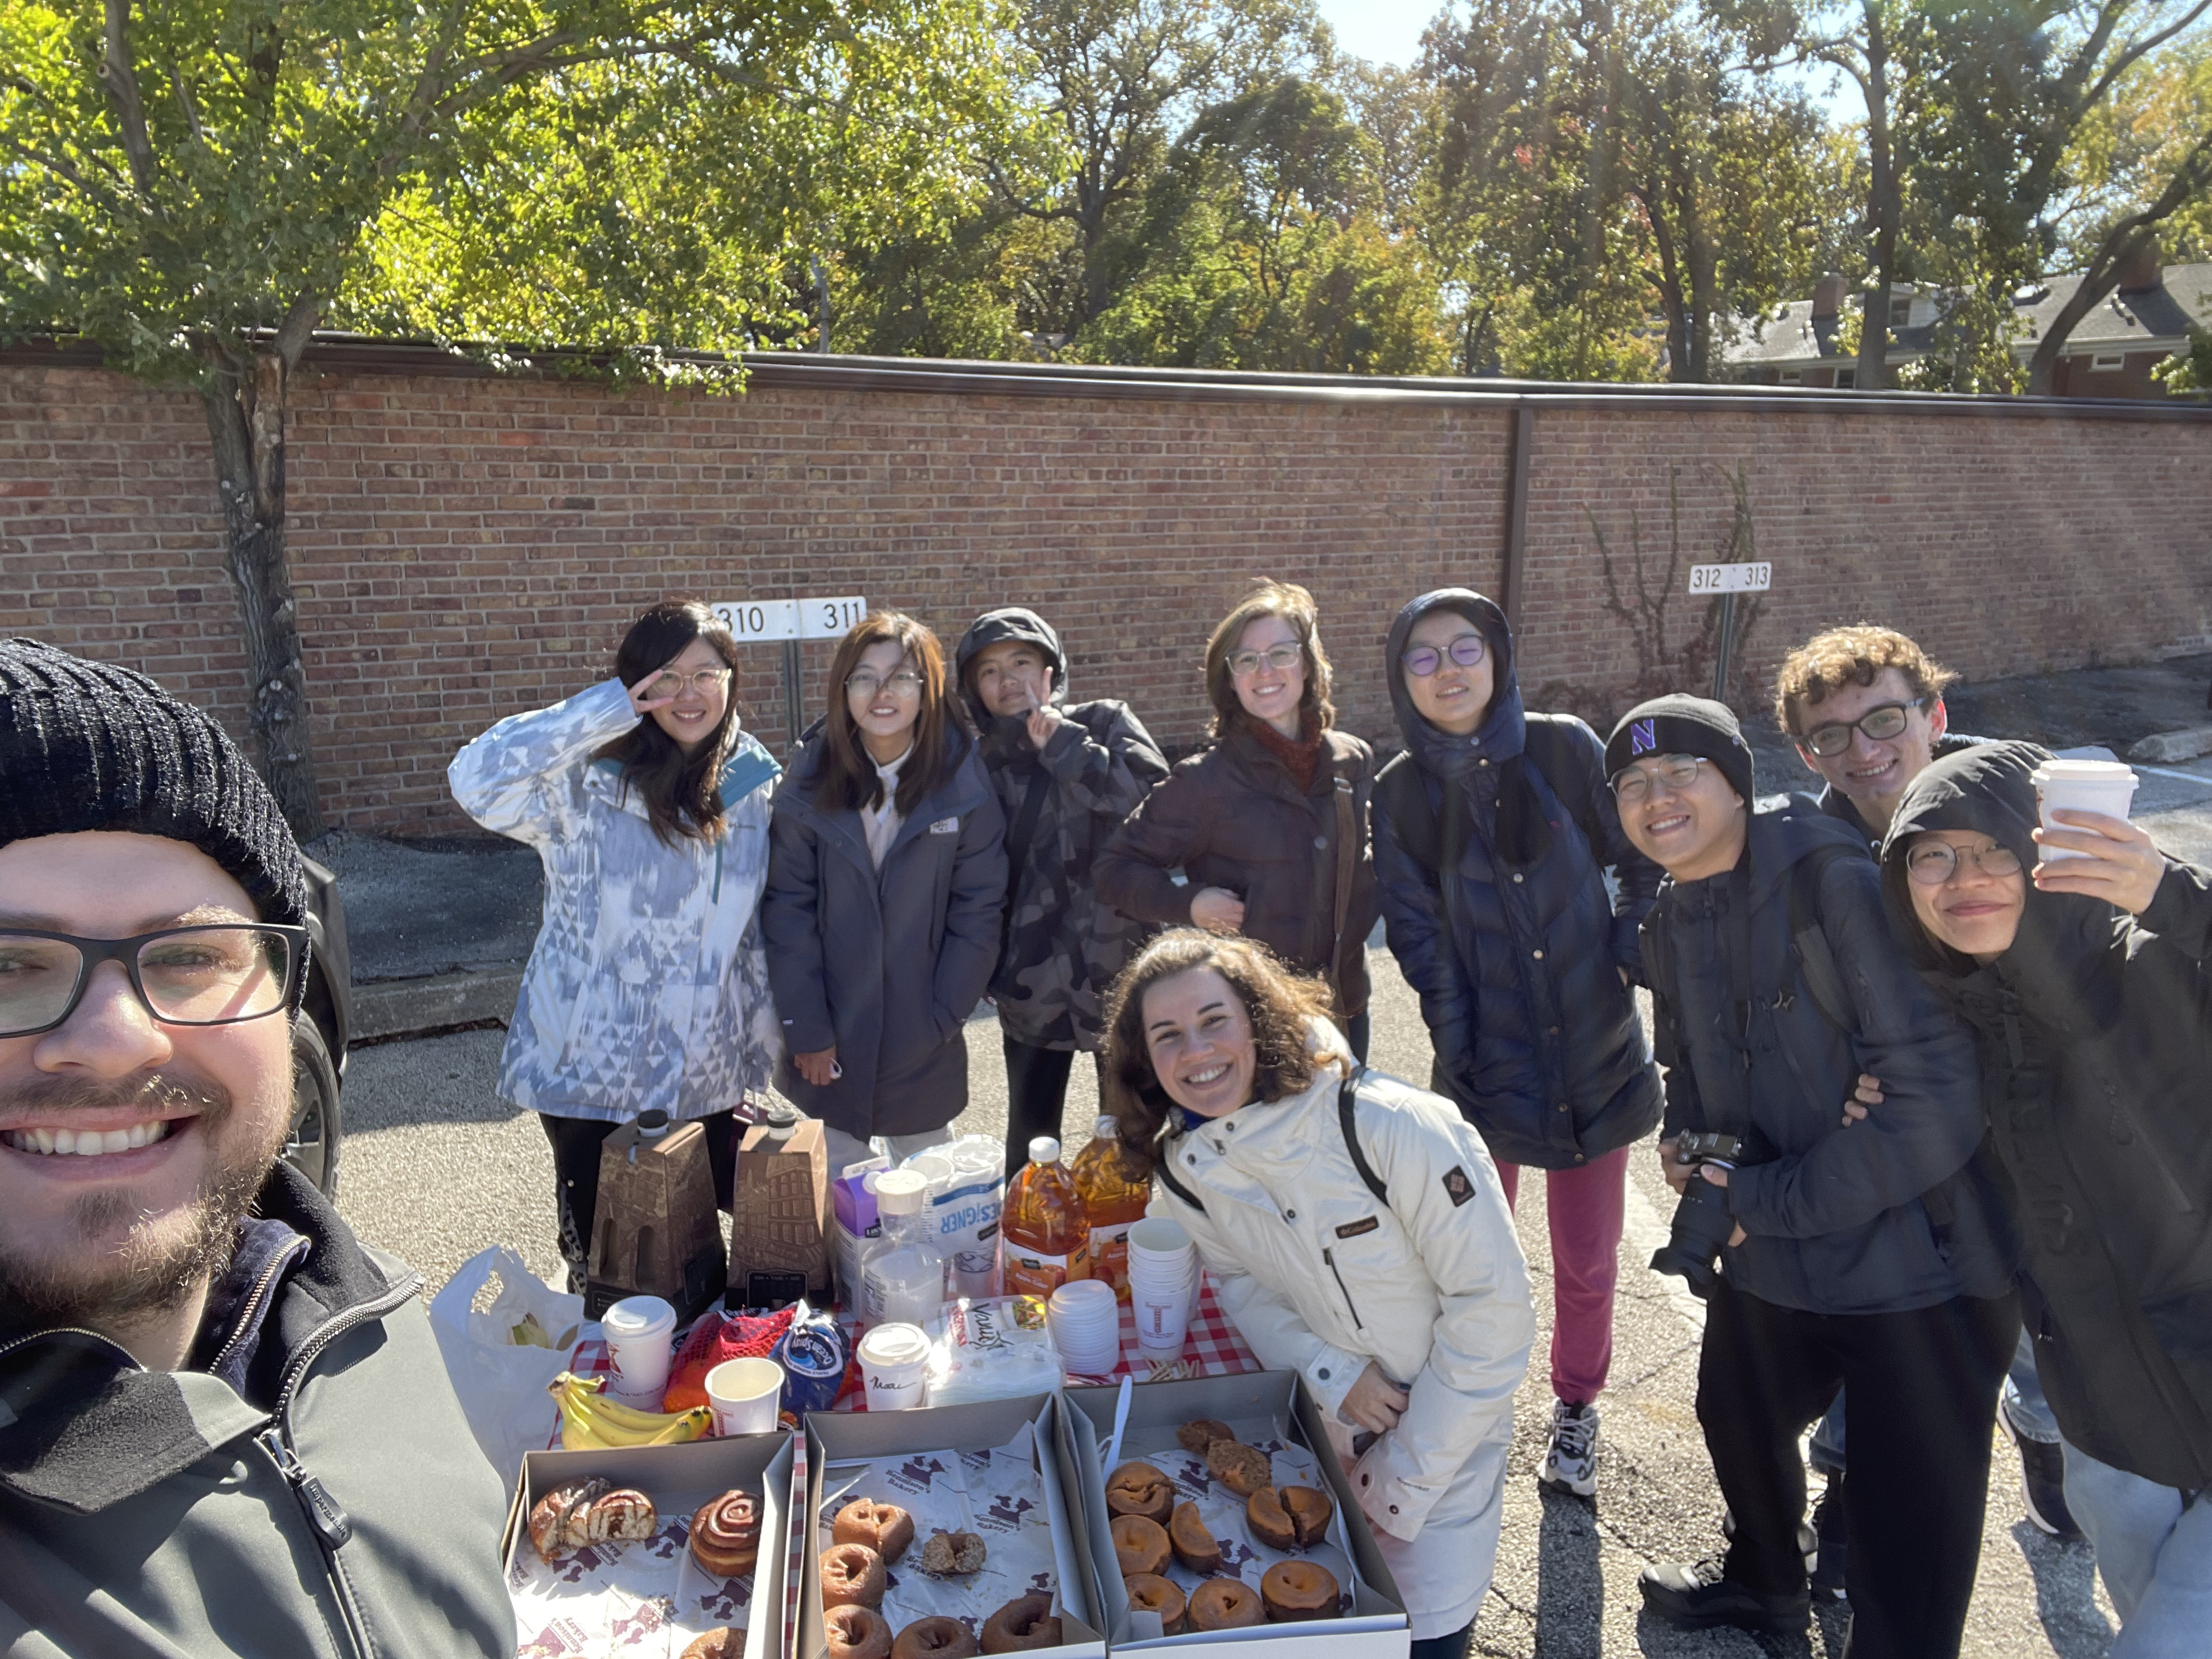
(84, 1425)
(1006, 736)
(1499, 736)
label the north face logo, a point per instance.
(1643, 736)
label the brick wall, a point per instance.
(465, 547)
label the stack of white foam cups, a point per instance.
(1163, 1285)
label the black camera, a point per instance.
(1702, 1223)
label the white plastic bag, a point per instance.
(502, 1360)
(998, 1348)
(967, 1189)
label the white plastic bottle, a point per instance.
(902, 1273)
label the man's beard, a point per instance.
(164, 1258)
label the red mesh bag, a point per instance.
(715, 1338)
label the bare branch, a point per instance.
(120, 76)
(2133, 51)
(185, 103)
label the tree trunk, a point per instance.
(1883, 208)
(246, 419)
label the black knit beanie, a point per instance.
(1682, 724)
(87, 746)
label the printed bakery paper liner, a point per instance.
(646, 1599)
(1243, 1556)
(996, 1494)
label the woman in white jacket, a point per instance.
(1358, 1234)
(649, 803)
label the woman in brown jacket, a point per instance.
(1270, 824)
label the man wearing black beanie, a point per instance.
(224, 1424)
(1875, 1254)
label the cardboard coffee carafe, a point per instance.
(779, 1245)
(653, 1232)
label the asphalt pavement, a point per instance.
(436, 1167)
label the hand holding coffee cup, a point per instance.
(2099, 856)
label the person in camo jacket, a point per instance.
(1067, 774)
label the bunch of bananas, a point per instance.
(592, 1422)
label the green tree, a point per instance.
(197, 187)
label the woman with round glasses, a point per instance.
(886, 879)
(648, 804)
(1493, 832)
(1269, 824)
(2085, 979)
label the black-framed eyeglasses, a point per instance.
(1932, 863)
(218, 974)
(1677, 772)
(1883, 720)
(1424, 661)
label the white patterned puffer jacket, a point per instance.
(648, 986)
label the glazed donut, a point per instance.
(1197, 1436)
(1226, 1604)
(1298, 1590)
(1310, 1510)
(852, 1576)
(721, 1643)
(934, 1637)
(883, 1528)
(1244, 1469)
(1194, 1546)
(1140, 1489)
(1023, 1623)
(857, 1633)
(1161, 1595)
(1141, 1546)
(1270, 1523)
(725, 1535)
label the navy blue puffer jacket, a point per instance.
(1518, 965)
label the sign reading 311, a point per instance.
(1731, 578)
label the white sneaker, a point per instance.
(1571, 1460)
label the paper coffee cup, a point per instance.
(894, 1365)
(1158, 1236)
(744, 1395)
(637, 1329)
(2080, 786)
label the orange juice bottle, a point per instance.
(1044, 1242)
(1114, 1192)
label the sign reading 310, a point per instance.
(751, 621)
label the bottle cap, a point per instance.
(651, 1123)
(781, 1121)
(901, 1192)
(1045, 1149)
(1106, 1128)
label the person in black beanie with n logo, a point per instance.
(1874, 1253)
(224, 1424)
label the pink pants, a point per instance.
(1584, 1207)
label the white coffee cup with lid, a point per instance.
(894, 1365)
(637, 1329)
(2080, 786)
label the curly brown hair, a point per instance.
(1295, 606)
(1828, 662)
(1281, 1005)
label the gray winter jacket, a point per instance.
(884, 965)
(329, 1500)
(1063, 945)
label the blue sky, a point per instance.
(1381, 31)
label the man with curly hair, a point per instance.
(1864, 706)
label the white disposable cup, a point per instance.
(1160, 1297)
(1085, 1321)
(894, 1364)
(744, 1395)
(2080, 786)
(1156, 1236)
(637, 1329)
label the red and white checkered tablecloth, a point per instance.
(1213, 1348)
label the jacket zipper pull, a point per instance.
(331, 1523)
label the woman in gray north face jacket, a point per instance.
(886, 881)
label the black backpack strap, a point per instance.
(1164, 1169)
(1554, 744)
(1345, 1099)
(1808, 941)
(1399, 786)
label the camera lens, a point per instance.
(1701, 1225)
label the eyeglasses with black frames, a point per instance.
(218, 974)
(1883, 720)
(1424, 661)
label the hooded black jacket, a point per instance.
(1063, 945)
(1893, 1213)
(2094, 1031)
(1515, 950)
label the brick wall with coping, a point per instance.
(465, 546)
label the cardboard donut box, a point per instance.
(1376, 1628)
(837, 1437)
(679, 1479)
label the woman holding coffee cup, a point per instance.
(1357, 1233)
(2084, 976)
(647, 802)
